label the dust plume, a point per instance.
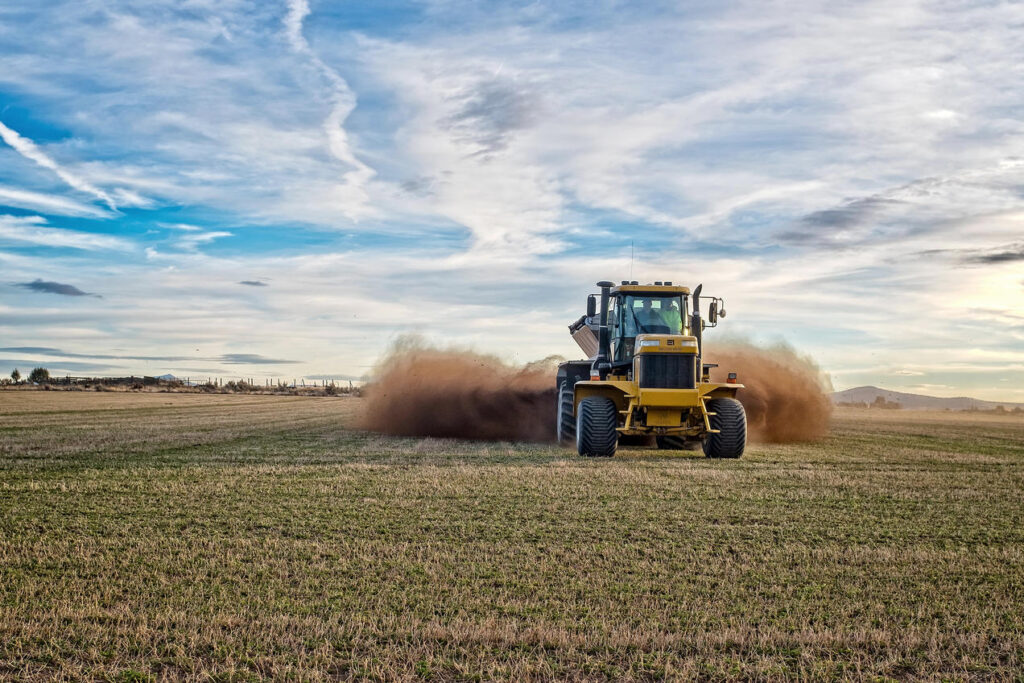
(417, 390)
(784, 393)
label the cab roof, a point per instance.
(657, 290)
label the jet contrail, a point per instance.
(30, 150)
(344, 98)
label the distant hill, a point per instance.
(917, 401)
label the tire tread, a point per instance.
(731, 422)
(566, 419)
(596, 422)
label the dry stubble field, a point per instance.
(169, 536)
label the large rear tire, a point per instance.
(566, 419)
(731, 422)
(596, 420)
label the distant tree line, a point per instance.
(37, 376)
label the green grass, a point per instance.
(146, 537)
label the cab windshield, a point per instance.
(645, 314)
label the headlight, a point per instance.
(649, 342)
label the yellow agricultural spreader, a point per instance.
(645, 375)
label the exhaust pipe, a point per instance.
(696, 331)
(602, 364)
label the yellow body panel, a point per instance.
(650, 289)
(668, 398)
(663, 418)
(666, 343)
(620, 391)
(680, 412)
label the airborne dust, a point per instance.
(419, 390)
(783, 394)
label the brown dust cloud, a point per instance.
(420, 390)
(417, 390)
(783, 394)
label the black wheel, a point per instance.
(731, 422)
(596, 420)
(566, 419)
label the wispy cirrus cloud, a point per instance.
(253, 359)
(28, 149)
(61, 353)
(48, 203)
(227, 358)
(192, 240)
(34, 230)
(343, 100)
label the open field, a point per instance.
(243, 537)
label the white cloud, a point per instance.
(49, 203)
(298, 10)
(130, 198)
(351, 192)
(31, 151)
(180, 226)
(33, 230)
(191, 240)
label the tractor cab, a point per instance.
(661, 309)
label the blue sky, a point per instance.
(281, 189)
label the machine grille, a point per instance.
(667, 370)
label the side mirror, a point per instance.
(713, 312)
(591, 306)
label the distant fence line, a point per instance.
(188, 381)
(242, 383)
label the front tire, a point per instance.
(731, 422)
(596, 420)
(566, 420)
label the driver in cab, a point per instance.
(671, 315)
(650, 320)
